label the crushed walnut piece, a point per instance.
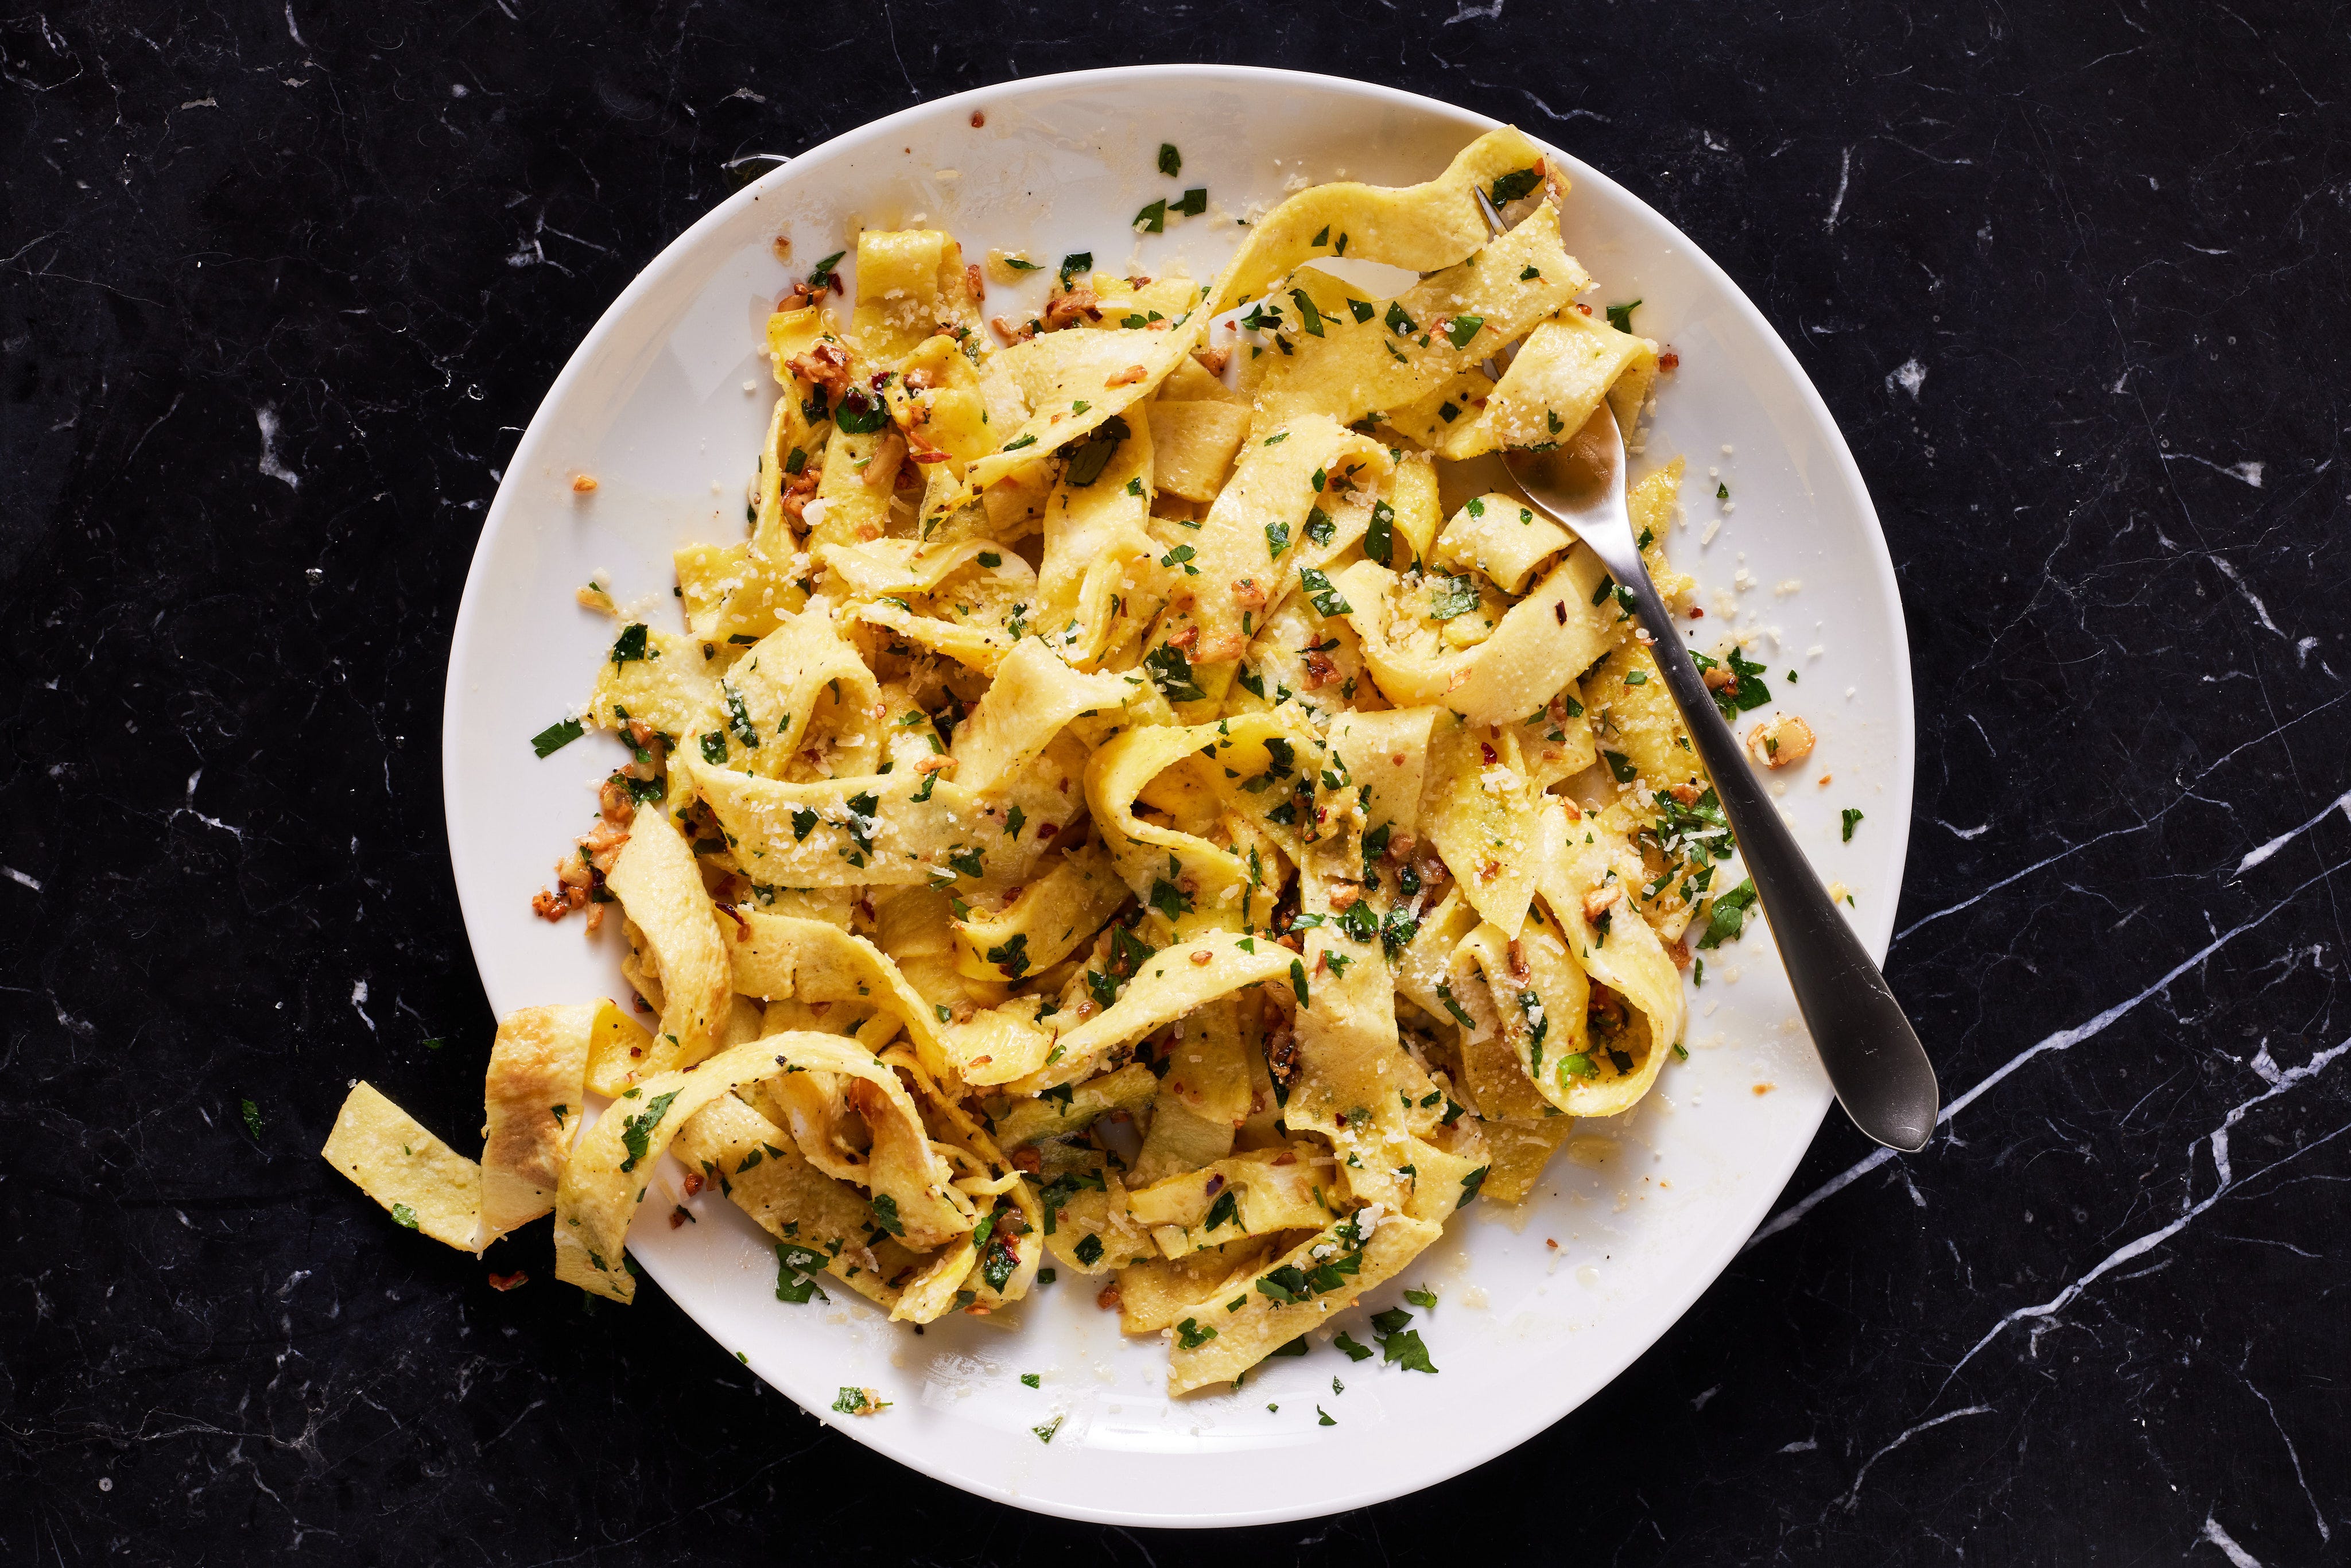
(1069, 309)
(825, 365)
(1777, 742)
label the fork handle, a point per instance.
(1875, 1062)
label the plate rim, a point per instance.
(1878, 927)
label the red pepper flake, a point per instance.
(512, 1281)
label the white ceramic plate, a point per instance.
(665, 403)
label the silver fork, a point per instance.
(1875, 1062)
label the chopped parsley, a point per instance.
(1397, 932)
(1852, 814)
(1171, 162)
(1326, 599)
(797, 1268)
(1729, 917)
(1461, 328)
(1092, 454)
(557, 736)
(1309, 318)
(1171, 672)
(631, 645)
(1225, 1211)
(1745, 689)
(1518, 182)
(1621, 316)
(858, 415)
(637, 1131)
(1452, 596)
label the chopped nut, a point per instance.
(972, 278)
(1065, 309)
(1212, 360)
(584, 483)
(1778, 742)
(1107, 1298)
(1203, 956)
(1599, 900)
(1247, 594)
(825, 365)
(881, 470)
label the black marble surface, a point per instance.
(280, 284)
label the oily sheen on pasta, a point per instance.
(1123, 814)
